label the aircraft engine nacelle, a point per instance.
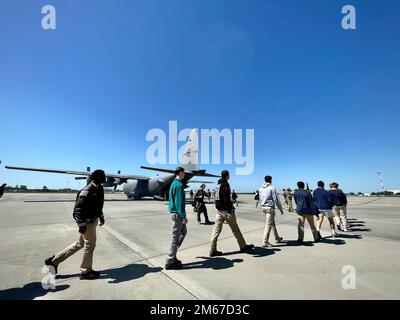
(110, 182)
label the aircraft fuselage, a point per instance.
(156, 186)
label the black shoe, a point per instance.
(319, 237)
(179, 262)
(215, 253)
(209, 222)
(91, 275)
(49, 262)
(280, 240)
(247, 248)
(299, 241)
(176, 265)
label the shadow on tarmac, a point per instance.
(349, 236)
(334, 241)
(28, 292)
(294, 243)
(359, 229)
(216, 263)
(257, 252)
(121, 274)
(357, 223)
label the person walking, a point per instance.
(88, 213)
(269, 199)
(339, 200)
(257, 198)
(2, 188)
(285, 197)
(305, 209)
(226, 212)
(200, 205)
(289, 198)
(323, 201)
(176, 208)
(234, 198)
(209, 196)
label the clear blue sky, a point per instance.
(324, 102)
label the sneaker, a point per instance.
(334, 234)
(280, 240)
(247, 248)
(267, 245)
(176, 265)
(345, 229)
(215, 253)
(49, 262)
(91, 275)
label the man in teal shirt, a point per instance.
(178, 214)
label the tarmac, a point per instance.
(132, 247)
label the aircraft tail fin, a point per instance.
(190, 157)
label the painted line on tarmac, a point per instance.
(139, 251)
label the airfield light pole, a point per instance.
(381, 181)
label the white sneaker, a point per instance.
(267, 245)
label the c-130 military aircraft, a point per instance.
(138, 186)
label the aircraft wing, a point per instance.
(201, 173)
(159, 169)
(204, 174)
(199, 181)
(80, 173)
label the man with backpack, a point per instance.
(200, 205)
(226, 212)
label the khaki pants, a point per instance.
(290, 204)
(310, 220)
(270, 224)
(231, 220)
(87, 241)
(340, 213)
